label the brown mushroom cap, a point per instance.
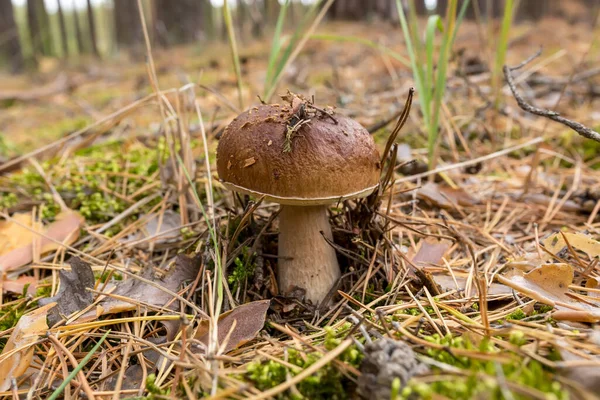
(327, 161)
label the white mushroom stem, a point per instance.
(306, 260)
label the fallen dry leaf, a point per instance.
(445, 197)
(27, 331)
(430, 251)
(549, 284)
(249, 319)
(21, 240)
(18, 285)
(160, 230)
(13, 233)
(183, 269)
(447, 283)
(72, 294)
(556, 243)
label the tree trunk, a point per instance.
(92, 28)
(272, 11)
(352, 10)
(127, 24)
(10, 48)
(63, 31)
(178, 21)
(37, 48)
(45, 28)
(257, 18)
(78, 33)
(242, 18)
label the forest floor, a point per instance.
(486, 266)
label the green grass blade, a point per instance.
(461, 16)
(369, 43)
(440, 84)
(501, 50)
(417, 73)
(78, 368)
(276, 45)
(296, 36)
(234, 50)
(432, 24)
(297, 43)
(213, 235)
(277, 57)
(414, 29)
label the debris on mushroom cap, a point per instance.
(302, 154)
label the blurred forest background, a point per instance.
(67, 29)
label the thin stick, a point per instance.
(553, 115)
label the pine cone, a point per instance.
(385, 360)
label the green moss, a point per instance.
(244, 269)
(587, 149)
(532, 373)
(370, 294)
(10, 313)
(6, 147)
(43, 291)
(8, 200)
(92, 182)
(154, 391)
(327, 383)
(518, 314)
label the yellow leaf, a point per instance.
(555, 243)
(19, 234)
(18, 352)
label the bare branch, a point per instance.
(553, 115)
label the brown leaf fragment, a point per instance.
(592, 283)
(431, 251)
(24, 335)
(556, 242)
(248, 318)
(158, 229)
(18, 242)
(549, 284)
(445, 197)
(72, 295)
(64, 230)
(248, 162)
(18, 285)
(447, 283)
(128, 294)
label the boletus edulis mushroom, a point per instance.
(304, 158)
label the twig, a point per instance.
(553, 115)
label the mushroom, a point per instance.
(305, 159)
